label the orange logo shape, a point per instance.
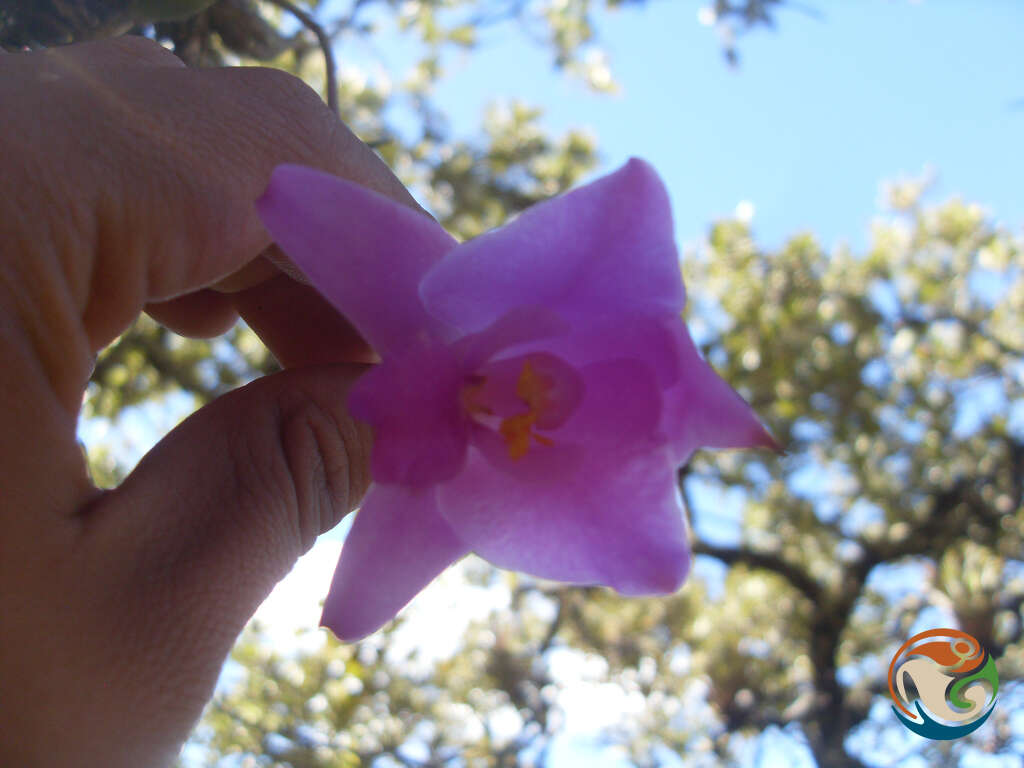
(955, 682)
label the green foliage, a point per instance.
(870, 369)
(350, 705)
(33, 23)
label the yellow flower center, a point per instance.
(532, 388)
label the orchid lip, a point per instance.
(518, 396)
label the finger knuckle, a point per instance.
(321, 451)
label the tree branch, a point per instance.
(766, 561)
(331, 85)
(795, 575)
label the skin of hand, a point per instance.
(127, 184)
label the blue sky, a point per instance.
(820, 111)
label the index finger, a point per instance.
(161, 166)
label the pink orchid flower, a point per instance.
(537, 392)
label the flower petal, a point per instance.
(542, 464)
(412, 403)
(615, 521)
(647, 338)
(364, 252)
(397, 545)
(703, 411)
(621, 404)
(605, 249)
(522, 325)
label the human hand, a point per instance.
(127, 184)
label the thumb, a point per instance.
(223, 506)
(133, 614)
